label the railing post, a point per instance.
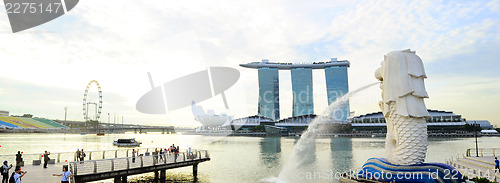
(75, 172)
(58, 157)
(103, 154)
(154, 161)
(127, 152)
(141, 162)
(112, 165)
(128, 163)
(95, 166)
(195, 172)
(184, 156)
(90, 155)
(116, 154)
(481, 152)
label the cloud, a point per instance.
(117, 42)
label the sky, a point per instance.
(46, 68)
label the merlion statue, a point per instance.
(403, 91)
(402, 82)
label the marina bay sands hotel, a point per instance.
(302, 86)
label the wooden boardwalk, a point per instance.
(36, 173)
(120, 168)
(481, 166)
(107, 164)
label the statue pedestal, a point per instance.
(379, 170)
(350, 179)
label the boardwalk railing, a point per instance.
(483, 152)
(126, 163)
(71, 156)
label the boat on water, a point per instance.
(101, 133)
(127, 143)
(275, 130)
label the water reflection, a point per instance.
(341, 154)
(270, 151)
(306, 153)
(244, 159)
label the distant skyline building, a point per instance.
(269, 105)
(302, 86)
(337, 86)
(302, 89)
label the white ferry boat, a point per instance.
(127, 143)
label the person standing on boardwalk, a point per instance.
(155, 155)
(65, 175)
(18, 174)
(172, 149)
(176, 152)
(497, 167)
(133, 155)
(78, 154)
(82, 155)
(46, 159)
(5, 172)
(161, 154)
(19, 159)
(173, 152)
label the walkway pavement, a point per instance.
(36, 173)
(477, 166)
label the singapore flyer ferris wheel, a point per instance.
(87, 102)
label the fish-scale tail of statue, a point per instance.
(409, 142)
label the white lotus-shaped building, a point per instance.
(210, 119)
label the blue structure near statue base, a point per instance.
(378, 169)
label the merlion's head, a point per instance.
(404, 57)
(402, 75)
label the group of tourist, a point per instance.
(80, 155)
(161, 154)
(17, 175)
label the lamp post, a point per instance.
(475, 136)
(65, 113)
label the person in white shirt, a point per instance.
(19, 174)
(133, 155)
(5, 172)
(65, 175)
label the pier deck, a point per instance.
(480, 166)
(118, 165)
(120, 168)
(36, 173)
